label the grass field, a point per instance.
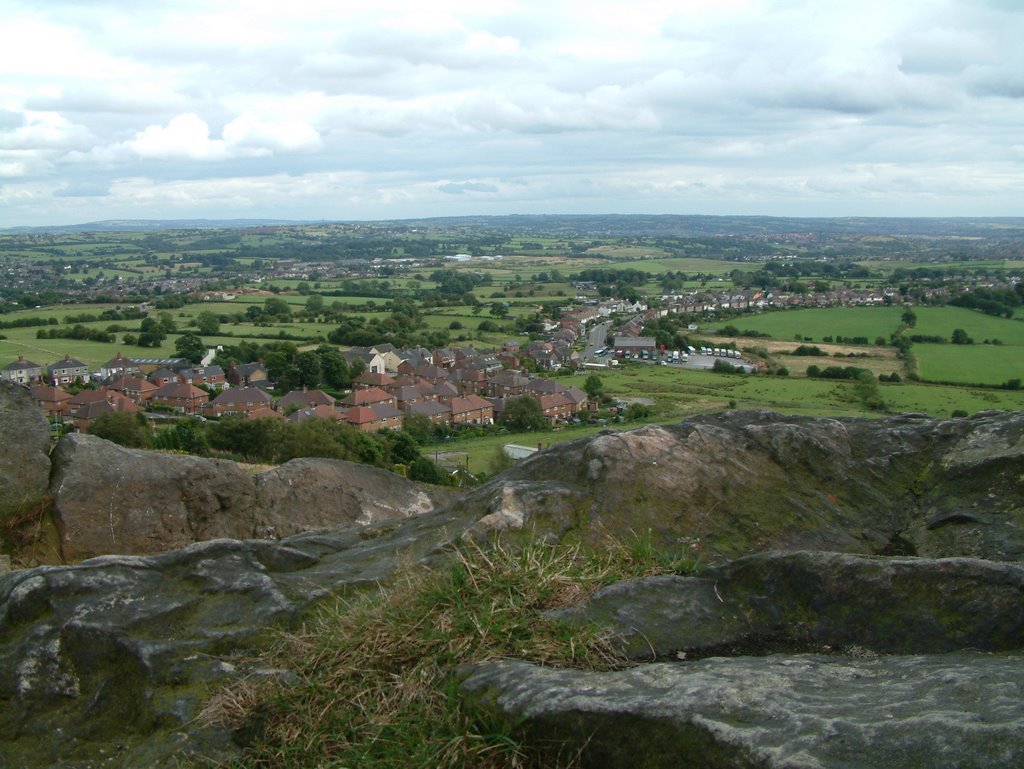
(940, 321)
(969, 364)
(814, 324)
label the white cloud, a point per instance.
(392, 107)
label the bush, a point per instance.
(809, 349)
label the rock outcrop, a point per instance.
(113, 500)
(726, 485)
(109, 662)
(775, 660)
(959, 710)
(24, 449)
(871, 663)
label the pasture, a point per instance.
(969, 363)
(813, 324)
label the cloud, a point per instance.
(399, 108)
(461, 188)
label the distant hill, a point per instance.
(149, 225)
(608, 225)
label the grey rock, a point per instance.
(109, 662)
(725, 485)
(24, 451)
(815, 601)
(113, 500)
(960, 710)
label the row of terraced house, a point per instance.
(453, 387)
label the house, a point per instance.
(83, 398)
(556, 407)
(135, 389)
(390, 417)
(370, 379)
(119, 366)
(364, 419)
(183, 397)
(305, 399)
(22, 371)
(51, 399)
(471, 410)
(507, 384)
(371, 361)
(148, 365)
(262, 412)
(438, 413)
(369, 397)
(112, 403)
(321, 411)
(246, 374)
(238, 400)
(468, 380)
(629, 346)
(406, 396)
(163, 376)
(433, 374)
(390, 355)
(208, 376)
(443, 392)
(68, 371)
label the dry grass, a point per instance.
(376, 685)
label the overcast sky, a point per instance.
(331, 109)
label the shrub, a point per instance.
(809, 349)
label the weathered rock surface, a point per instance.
(958, 710)
(113, 500)
(813, 602)
(24, 449)
(726, 485)
(109, 662)
(951, 694)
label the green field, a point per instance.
(813, 324)
(940, 321)
(969, 364)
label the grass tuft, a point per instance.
(376, 685)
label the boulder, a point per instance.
(812, 602)
(109, 499)
(24, 451)
(111, 661)
(780, 712)
(724, 485)
(788, 660)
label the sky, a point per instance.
(390, 109)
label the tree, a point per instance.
(594, 386)
(307, 370)
(960, 337)
(314, 304)
(909, 318)
(208, 323)
(277, 307)
(131, 430)
(499, 310)
(152, 334)
(334, 367)
(187, 435)
(190, 347)
(523, 413)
